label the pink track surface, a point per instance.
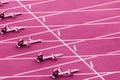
(93, 26)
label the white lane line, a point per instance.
(68, 40)
(10, 42)
(42, 2)
(53, 47)
(62, 64)
(63, 12)
(28, 76)
(69, 11)
(95, 54)
(102, 4)
(48, 31)
(38, 76)
(112, 72)
(94, 77)
(44, 68)
(39, 33)
(98, 5)
(2, 41)
(57, 25)
(103, 19)
(61, 40)
(48, 15)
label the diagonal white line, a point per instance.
(48, 15)
(48, 31)
(64, 12)
(40, 33)
(102, 4)
(72, 26)
(65, 63)
(47, 1)
(57, 65)
(58, 46)
(61, 40)
(98, 5)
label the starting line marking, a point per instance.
(43, 18)
(75, 47)
(30, 6)
(59, 34)
(91, 64)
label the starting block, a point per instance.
(27, 43)
(8, 29)
(4, 15)
(64, 73)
